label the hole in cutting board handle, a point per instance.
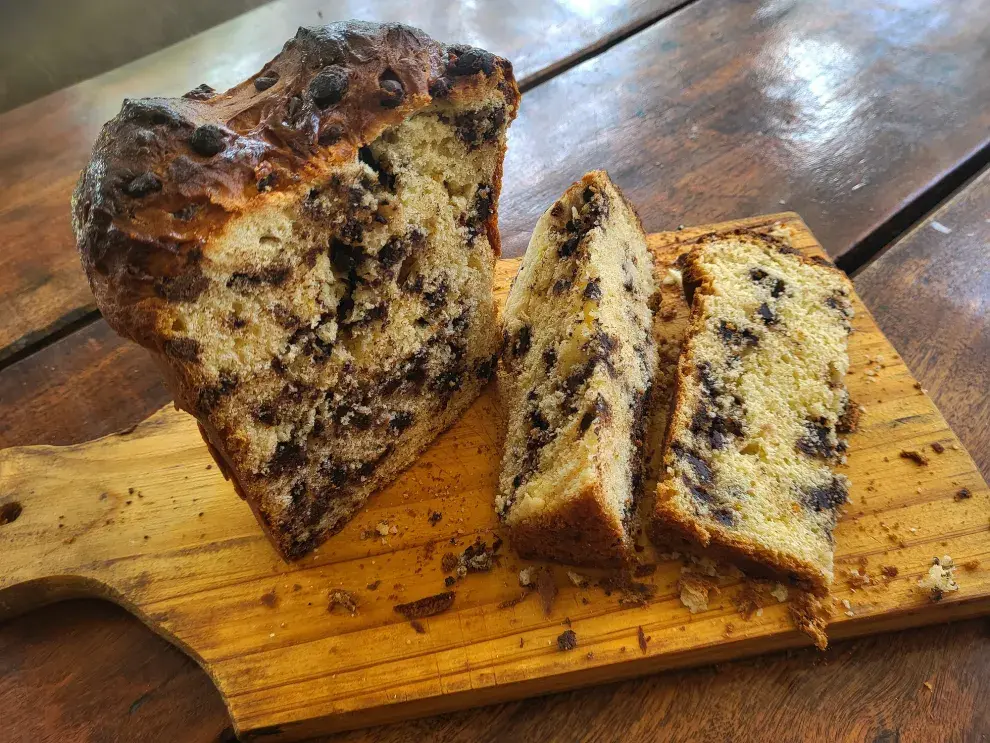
(9, 512)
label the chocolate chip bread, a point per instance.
(752, 439)
(309, 257)
(574, 379)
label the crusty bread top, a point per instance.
(167, 173)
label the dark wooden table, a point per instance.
(868, 117)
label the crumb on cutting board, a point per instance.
(695, 591)
(940, 579)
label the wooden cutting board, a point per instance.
(145, 519)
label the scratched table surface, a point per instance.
(867, 117)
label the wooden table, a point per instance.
(868, 118)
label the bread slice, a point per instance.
(752, 440)
(575, 378)
(309, 257)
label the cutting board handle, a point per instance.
(64, 530)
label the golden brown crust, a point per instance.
(166, 174)
(670, 529)
(577, 533)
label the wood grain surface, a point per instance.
(176, 568)
(930, 294)
(842, 110)
(46, 143)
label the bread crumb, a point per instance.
(858, 579)
(963, 494)
(343, 599)
(928, 685)
(577, 579)
(937, 447)
(567, 640)
(695, 591)
(915, 456)
(940, 579)
(526, 577)
(779, 592)
(889, 571)
(811, 617)
(546, 586)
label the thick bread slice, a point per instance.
(575, 378)
(753, 436)
(309, 257)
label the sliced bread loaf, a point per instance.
(575, 377)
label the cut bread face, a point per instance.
(310, 259)
(752, 440)
(575, 379)
(345, 327)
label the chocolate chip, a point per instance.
(730, 333)
(266, 413)
(392, 92)
(201, 92)
(265, 82)
(209, 397)
(593, 290)
(329, 86)
(143, 185)
(768, 316)
(569, 246)
(549, 358)
(723, 515)
(522, 342)
(208, 140)
(470, 62)
(288, 455)
(486, 368)
(701, 469)
(561, 285)
(345, 258)
(479, 126)
(538, 420)
(440, 88)
(777, 289)
(826, 498)
(600, 410)
(816, 441)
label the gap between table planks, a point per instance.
(186, 556)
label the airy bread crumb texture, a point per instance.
(345, 324)
(752, 441)
(575, 379)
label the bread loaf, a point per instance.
(309, 258)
